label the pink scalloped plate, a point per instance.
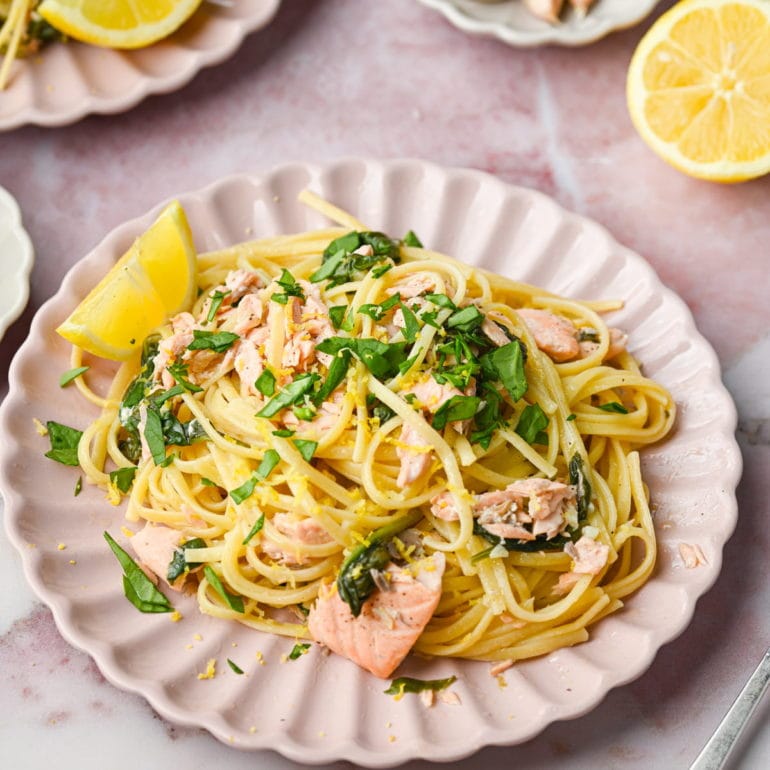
(323, 708)
(68, 81)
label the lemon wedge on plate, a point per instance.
(118, 23)
(699, 88)
(154, 279)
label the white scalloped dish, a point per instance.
(323, 708)
(16, 257)
(67, 81)
(511, 22)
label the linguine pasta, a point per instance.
(322, 390)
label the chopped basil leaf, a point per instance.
(284, 433)
(376, 312)
(306, 448)
(234, 667)
(572, 417)
(441, 300)
(64, 443)
(411, 324)
(338, 319)
(579, 479)
(216, 301)
(380, 270)
(179, 373)
(507, 365)
(165, 395)
(465, 320)
(382, 359)
(532, 422)
(153, 435)
(169, 459)
(338, 370)
(258, 524)
(291, 394)
(219, 342)
(71, 375)
(588, 335)
(270, 459)
(410, 239)
(454, 409)
(208, 482)
(137, 587)
(232, 601)
(290, 288)
(179, 564)
(404, 367)
(407, 684)
(265, 383)
(614, 406)
(488, 418)
(341, 264)
(299, 650)
(78, 486)
(123, 478)
(305, 413)
(330, 265)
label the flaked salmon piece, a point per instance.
(617, 344)
(554, 335)
(249, 362)
(565, 583)
(692, 555)
(548, 10)
(239, 283)
(589, 556)
(300, 531)
(415, 457)
(248, 314)
(154, 545)
(174, 346)
(540, 502)
(431, 395)
(498, 668)
(414, 285)
(299, 352)
(325, 419)
(390, 621)
(494, 332)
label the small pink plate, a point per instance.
(323, 708)
(67, 81)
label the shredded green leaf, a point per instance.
(406, 684)
(71, 375)
(231, 600)
(64, 443)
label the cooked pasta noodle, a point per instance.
(423, 423)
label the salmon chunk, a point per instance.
(390, 621)
(589, 556)
(415, 456)
(554, 335)
(300, 531)
(414, 285)
(542, 503)
(154, 546)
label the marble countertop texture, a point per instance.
(336, 78)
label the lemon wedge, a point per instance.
(699, 88)
(118, 23)
(154, 279)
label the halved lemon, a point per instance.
(154, 279)
(117, 23)
(699, 88)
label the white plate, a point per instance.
(67, 81)
(319, 709)
(512, 23)
(16, 257)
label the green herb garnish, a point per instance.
(234, 667)
(179, 564)
(299, 650)
(219, 342)
(258, 524)
(232, 601)
(64, 443)
(265, 383)
(270, 459)
(406, 684)
(290, 394)
(137, 587)
(216, 301)
(290, 288)
(614, 406)
(78, 486)
(532, 424)
(123, 478)
(306, 448)
(71, 375)
(454, 409)
(410, 239)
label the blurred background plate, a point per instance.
(16, 257)
(511, 22)
(67, 81)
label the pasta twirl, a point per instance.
(352, 431)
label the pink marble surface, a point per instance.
(342, 77)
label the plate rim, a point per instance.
(348, 749)
(149, 85)
(561, 34)
(26, 261)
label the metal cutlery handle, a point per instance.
(719, 746)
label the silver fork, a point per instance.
(721, 743)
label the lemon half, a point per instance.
(699, 88)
